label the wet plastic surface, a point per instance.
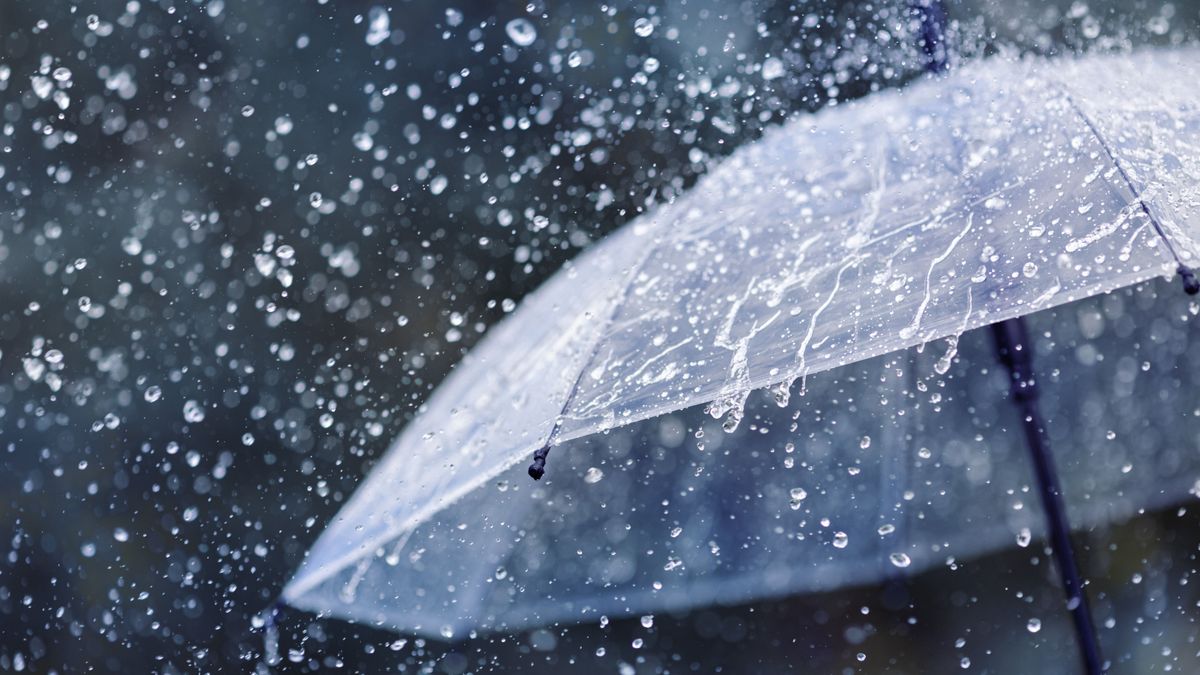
(839, 238)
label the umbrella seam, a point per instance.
(612, 316)
(1137, 194)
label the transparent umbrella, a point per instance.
(861, 240)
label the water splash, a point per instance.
(782, 392)
(943, 364)
(732, 407)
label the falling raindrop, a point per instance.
(1024, 537)
(378, 26)
(772, 69)
(521, 32)
(193, 412)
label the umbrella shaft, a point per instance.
(1016, 353)
(931, 14)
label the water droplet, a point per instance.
(900, 559)
(731, 407)
(438, 185)
(193, 411)
(1024, 537)
(1029, 269)
(593, 476)
(648, 621)
(864, 442)
(782, 393)
(1034, 625)
(643, 27)
(521, 32)
(772, 69)
(840, 540)
(886, 529)
(378, 26)
(120, 534)
(943, 364)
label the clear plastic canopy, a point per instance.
(833, 242)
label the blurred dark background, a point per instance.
(240, 242)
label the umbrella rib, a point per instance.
(538, 468)
(1191, 285)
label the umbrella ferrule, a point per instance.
(1191, 285)
(538, 468)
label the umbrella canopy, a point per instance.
(836, 240)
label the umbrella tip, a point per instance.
(538, 468)
(1191, 285)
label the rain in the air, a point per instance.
(630, 338)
